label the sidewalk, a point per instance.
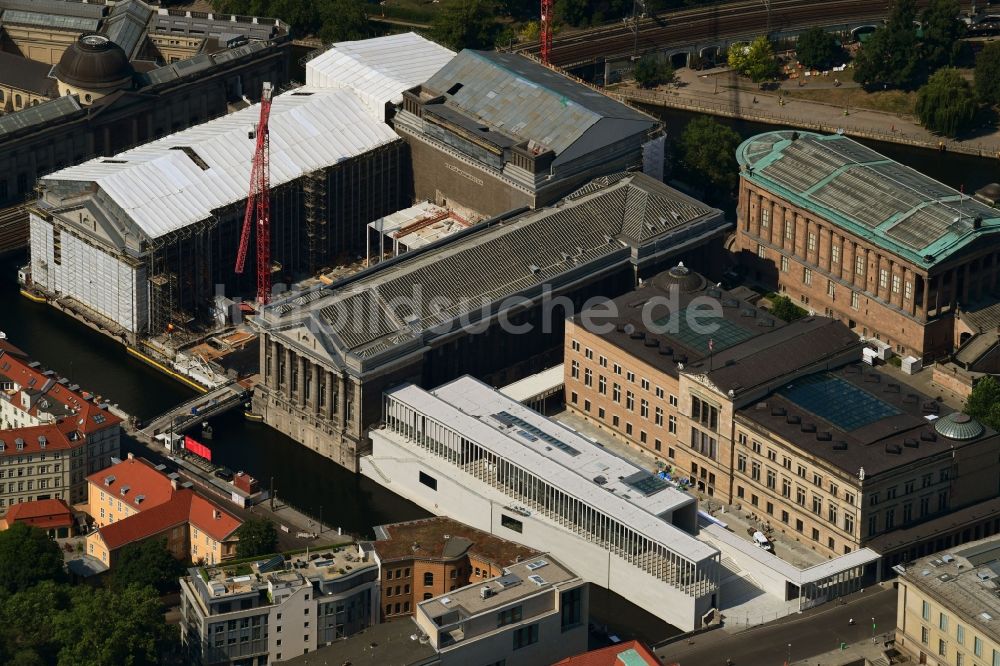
(713, 94)
(853, 653)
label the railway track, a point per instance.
(703, 25)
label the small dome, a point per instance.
(958, 426)
(94, 62)
(682, 277)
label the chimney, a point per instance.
(173, 483)
(131, 456)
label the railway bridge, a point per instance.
(604, 53)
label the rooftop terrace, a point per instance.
(890, 205)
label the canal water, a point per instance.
(302, 477)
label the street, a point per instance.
(811, 633)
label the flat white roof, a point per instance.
(540, 383)
(378, 70)
(395, 225)
(468, 406)
(180, 179)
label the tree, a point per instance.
(651, 71)
(341, 20)
(708, 150)
(984, 402)
(988, 73)
(28, 556)
(946, 104)
(942, 33)
(575, 12)
(817, 48)
(754, 60)
(147, 563)
(891, 56)
(31, 642)
(783, 308)
(103, 626)
(465, 24)
(256, 537)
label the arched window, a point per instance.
(428, 579)
(86, 98)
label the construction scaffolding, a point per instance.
(314, 204)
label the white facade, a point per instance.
(95, 278)
(444, 451)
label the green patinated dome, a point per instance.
(958, 426)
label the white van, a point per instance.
(761, 541)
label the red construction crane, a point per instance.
(259, 200)
(546, 30)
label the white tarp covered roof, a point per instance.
(379, 69)
(180, 179)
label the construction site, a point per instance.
(154, 246)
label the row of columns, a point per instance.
(891, 280)
(303, 383)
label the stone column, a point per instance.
(314, 387)
(341, 398)
(272, 368)
(847, 262)
(328, 395)
(300, 384)
(287, 373)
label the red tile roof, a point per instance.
(140, 477)
(41, 513)
(87, 416)
(184, 507)
(609, 656)
(57, 437)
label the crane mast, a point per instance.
(259, 203)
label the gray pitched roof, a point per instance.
(520, 97)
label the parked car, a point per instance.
(762, 542)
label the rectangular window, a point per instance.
(602, 385)
(807, 276)
(960, 634)
(765, 216)
(895, 284)
(786, 488)
(571, 606)
(830, 288)
(784, 264)
(835, 254)
(811, 242)
(883, 278)
(849, 523)
(511, 523)
(859, 264)
(630, 401)
(672, 424)
(924, 635)
(908, 290)
(772, 479)
(977, 646)
(525, 636)
(428, 481)
(644, 408)
(510, 616)
(942, 622)
(672, 400)
(658, 416)
(942, 647)
(616, 393)
(574, 369)
(741, 463)
(789, 230)
(855, 300)
(761, 252)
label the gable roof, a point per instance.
(40, 513)
(378, 70)
(629, 653)
(523, 98)
(181, 179)
(140, 478)
(185, 506)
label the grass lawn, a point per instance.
(891, 101)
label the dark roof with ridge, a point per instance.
(25, 74)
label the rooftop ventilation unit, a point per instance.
(537, 564)
(485, 592)
(537, 580)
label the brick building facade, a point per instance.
(852, 235)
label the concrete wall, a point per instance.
(462, 497)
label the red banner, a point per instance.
(197, 448)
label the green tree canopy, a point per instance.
(891, 56)
(147, 563)
(652, 71)
(341, 20)
(708, 150)
(465, 24)
(574, 12)
(256, 537)
(984, 402)
(942, 33)
(105, 627)
(783, 308)
(988, 73)
(946, 104)
(330, 20)
(817, 48)
(28, 556)
(754, 60)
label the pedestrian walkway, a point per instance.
(877, 652)
(712, 93)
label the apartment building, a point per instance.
(534, 614)
(53, 433)
(853, 235)
(133, 501)
(651, 374)
(427, 558)
(271, 611)
(947, 607)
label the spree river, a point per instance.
(300, 476)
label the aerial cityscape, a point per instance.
(499, 333)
